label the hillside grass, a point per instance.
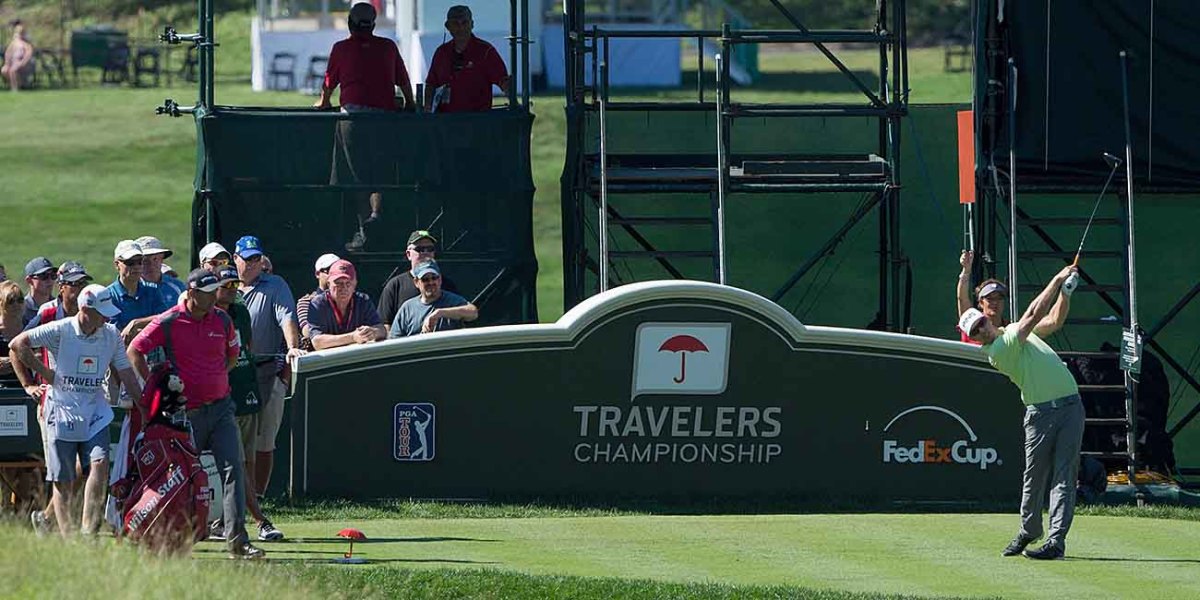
(85, 167)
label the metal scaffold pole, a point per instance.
(603, 180)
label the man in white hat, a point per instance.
(1054, 415)
(321, 272)
(214, 256)
(77, 415)
(154, 253)
(139, 300)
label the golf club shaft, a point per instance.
(1112, 172)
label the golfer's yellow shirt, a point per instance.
(1032, 365)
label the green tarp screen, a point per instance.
(301, 181)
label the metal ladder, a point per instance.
(1120, 297)
(651, 180)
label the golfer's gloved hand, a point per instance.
(1072, 282)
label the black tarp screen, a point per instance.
(1069, 99)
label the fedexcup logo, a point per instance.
(931, 451)
(681, 358)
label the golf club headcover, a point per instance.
(1072, 282)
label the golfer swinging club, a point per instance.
(1053, 415)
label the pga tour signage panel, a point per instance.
(656, 390)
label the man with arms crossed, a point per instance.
(434, 309)
(343, 315)
(77, 415)
(1053, 415)
(422, 246)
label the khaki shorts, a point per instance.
(247, 433)
(271, 417)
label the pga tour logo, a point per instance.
(933, 451)
(681, 358)
(414, 432)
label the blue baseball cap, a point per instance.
(247, 246)
(425, 267)
(38, 266)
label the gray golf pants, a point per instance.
(1053, 435)
(214, 429)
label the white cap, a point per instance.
(212, 250)
(969, 320)
(165, 269)
(326, 261)
(98, 297)
(152, 245)
(127, 249)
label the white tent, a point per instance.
(309, 28)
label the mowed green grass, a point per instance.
(83, 168)
(836, 556)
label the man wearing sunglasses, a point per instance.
(464, 69)
(433, 310)
(154, 253)
(321, 272)
(214, 257)
(39, 276)
(204, 348)
(399, 288)
(275, 331)
(139, 300)
(76, 415)
(243, 386)
(72, 278)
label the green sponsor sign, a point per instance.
(658, 389)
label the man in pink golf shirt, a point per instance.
(201, 343)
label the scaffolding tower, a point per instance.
(714, 178)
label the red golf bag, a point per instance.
(164, 497)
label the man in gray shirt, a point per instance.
(274, 330)
(434, 309)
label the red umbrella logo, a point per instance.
(682, 344)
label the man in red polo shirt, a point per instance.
(202, 345)
(463, 69)
(368, 68)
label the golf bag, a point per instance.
(164, 497)
(167, 507)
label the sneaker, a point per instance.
(246, 551)
(268, 533)
(216, 530)
(1048, 551)
(357, 242)
(41, 525)
(1016, 546)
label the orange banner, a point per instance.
(966, 157)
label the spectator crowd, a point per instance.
(228, 329)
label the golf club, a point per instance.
(1115, 163)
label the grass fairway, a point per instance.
(440, 550)
(921, 555)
